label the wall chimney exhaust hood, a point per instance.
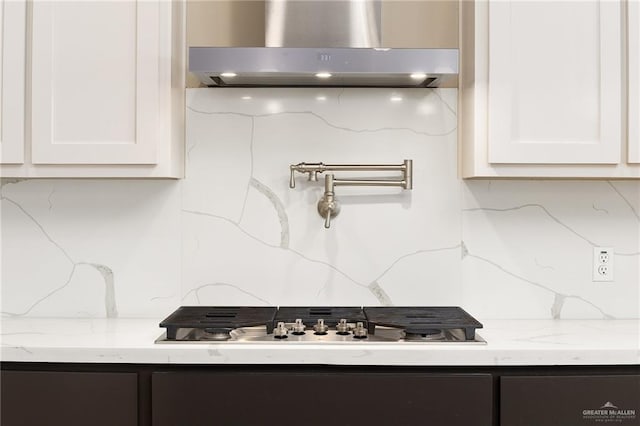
(322, 43)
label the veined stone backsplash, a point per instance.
(234, 233)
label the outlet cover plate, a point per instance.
(603, 264)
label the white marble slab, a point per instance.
(529, 248)
(512, 342)
(233, 233)
(250, 239)
(89, 247)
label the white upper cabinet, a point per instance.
(107, 89)
(12, 80)
(555, 82)
(542, 91)
(95, 85)
(634, 81)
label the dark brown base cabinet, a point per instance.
(52, 394)
(570, 400)
(336, 399)
(45, 398)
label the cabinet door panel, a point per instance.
(12, 78)
(555, 82)
(204, 399)
(634, 82)
(95, 82)
(36, 398)
(566, 400)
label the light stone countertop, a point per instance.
(509, 343)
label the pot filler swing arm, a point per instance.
(328, 206)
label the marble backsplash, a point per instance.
(233, 232)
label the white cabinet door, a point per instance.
(12, 78)
(634, 81)
(555, 90)
(95, 82)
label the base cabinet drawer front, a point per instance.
(335, 399)
(37, 398)
(570, 400)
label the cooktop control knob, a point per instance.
(342, 327)
(280, 332)
(360, 332)
(320, 327)
(298, 327)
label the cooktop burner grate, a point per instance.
(217, 320)
(420, 320)
(321, 323)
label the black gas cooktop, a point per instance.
(318, 324)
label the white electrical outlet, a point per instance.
(602, 264)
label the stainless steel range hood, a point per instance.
(323, 43)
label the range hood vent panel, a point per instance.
(338, 38)
(323, 23)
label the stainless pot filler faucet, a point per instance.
(328, 206)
